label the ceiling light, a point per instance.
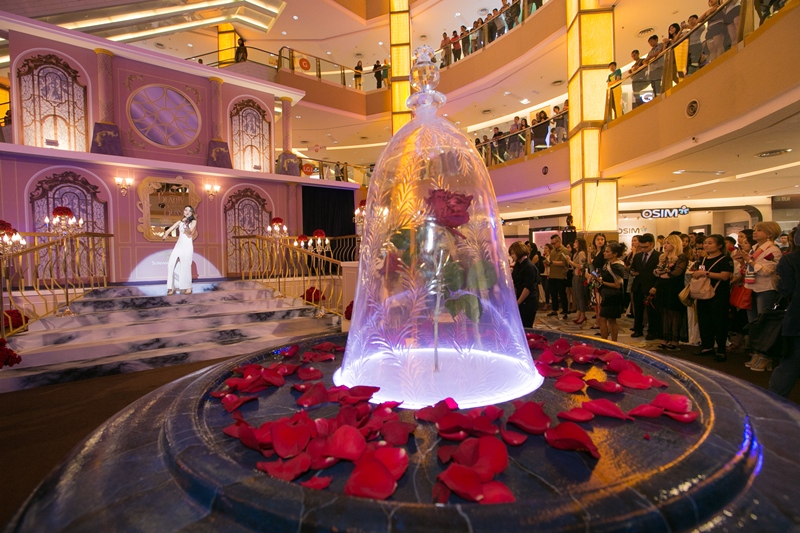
(297, 116)
(335, 142)
(773, 153)
(190, 45)
(328, 52)
(524, 101)
(295, 17)
(557, 83)
(283, 33)
(507, 93)
(444, 115)
(458, 14)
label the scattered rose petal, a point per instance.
(560, 347)
(396, 432)
(317, 482)
(584, 358)
(231, 402)
(289, 438)
(496, 492)
(618, 365)
(657, 382)
(370, 479)
(570, 436)
(675, 403)
(483, 426)
(452, 422)
(492, 458)
(683, 417)
(286, 470)
(463, 481)
(445, 452)
(547, 357)
(605, 407)
(319, 357)
(309, 374)
(646, 436)
(475, 412)
(576, 414)
(302, 387)
(346, 442)
(606, 356)
(293, 350)
(454, 435)
(220, 393)
(467, 453)
(512, 438)
(549, 371)
(581, 349)
(441, 492)
(273, 377)
(433, 413)
(530, 417)
(450, 403)
(248, 437)
(359, 393)
(573, 372)
(647, 411)
(493, 412)
(324, 347)
(633, 379)
(537, 344)
(284, 369)
(394, 459)
(605, 386)
(569, 383)
(315, 394)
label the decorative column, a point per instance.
(218, 153)
(400, 43)
(105, 135)
(590, 48)
(294, 208)
(288, 163)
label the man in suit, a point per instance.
(642, 267)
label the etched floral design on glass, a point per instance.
(435, 313)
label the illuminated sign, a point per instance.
(665, 213)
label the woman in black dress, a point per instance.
(526, 283)
(610, 280)
(712, 315)
(669, 275)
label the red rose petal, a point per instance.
(360, 393)
(605, 386)
(549, 371)
(284, 369)
(323, 463)
(467, 453)
(530, 417)
(683, 417)
(512, 438)
(582, 349)
(573, 372)
(675, 403)
(317, 482)
(370, 479)
(537, 344)
(570, 436)
(347, 442)
(394, 459)
(483, 425)
(584, 358)
(302, 387)
(463, 481)
(605, 407)
(492, 458)
(450, 403)
(618, 365)
(309, 374)
(454, 422)
(493, 412)
(496, 492)
(293, 350)
(288, 438)
(646, 411)
(576, 414)
(248, 437)
(231, 402)
(433, 413)
(634, 380)
(607, 357)
(475, 412)
(220, 393)
(657, 382)
(320, 357)
(445, 453)
(441, 492)
(560, 347)
(454, 435)
(324, 347)
(273, 377)
(547, 357)
(396, 432)
(646, 436)
(569, 383)
(286, 470)
(315, 394)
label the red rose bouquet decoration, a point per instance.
(16, 319)
(449, 209)
(318, 234)
(8, 357)
(62, 211)
(5, 227)
(302, 238)
(348, 312)
(276, 220)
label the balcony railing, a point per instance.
(254, 55)
(518, 144)
(335, 171)
(686, 53)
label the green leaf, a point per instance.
(401, 240)
(453, 306)
(453, 274)
(482, 275)
(471, 305)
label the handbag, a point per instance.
(701, 288)
(685, 296)
(741, 297)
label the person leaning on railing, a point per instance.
(655, 64)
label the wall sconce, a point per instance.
(212, 190)
(123, 184)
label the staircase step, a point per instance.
(150, 302)
(286, 331)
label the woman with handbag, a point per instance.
(761, 277)
(610, 286)
(669, 274)
(785, 375)
(741, 295)
(711, 289)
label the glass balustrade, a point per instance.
(335, 171)
(505, 147)
(693, 47)
(254, 55)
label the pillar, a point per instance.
(400, 44)
(590, 48)
(219, 154)
(288, 163)
(105, 134)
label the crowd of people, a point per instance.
(466, 41)
(707, 291)
(545, 132)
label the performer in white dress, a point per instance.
(180, 260)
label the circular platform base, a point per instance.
(164, 464)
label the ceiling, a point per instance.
(326, 29)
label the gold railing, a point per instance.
(314, 278)
(43, 278)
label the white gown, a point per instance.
(179, 268)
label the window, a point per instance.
(250, 129)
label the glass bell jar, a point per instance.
(435, 314)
